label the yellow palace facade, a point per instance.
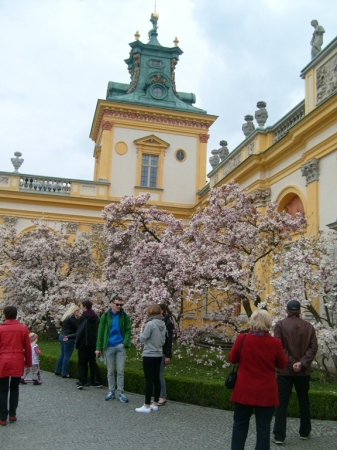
(149, 138)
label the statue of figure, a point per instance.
(223, 150)
(154, 21)
(317, 38)
(261, 115)
(214, 160)
(248, 127)
(17, 161)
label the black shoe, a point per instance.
(87, 384)
(79, 385)
(96, 384)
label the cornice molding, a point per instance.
(138, 114)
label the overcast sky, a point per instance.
(57, 57)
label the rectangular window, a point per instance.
(149, 171)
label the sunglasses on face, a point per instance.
(118, 304)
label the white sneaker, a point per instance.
(154, 407)
(143, 409)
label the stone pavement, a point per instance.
(56, 415)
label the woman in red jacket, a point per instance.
(255, 386)
(15, 355)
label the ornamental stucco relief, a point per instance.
(326, 77)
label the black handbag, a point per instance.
(231, 377)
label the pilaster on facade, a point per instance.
(310, 171)
(106, 150)
(261, 197)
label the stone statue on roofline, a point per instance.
(261, 115)
(317, 39)
(17, 161)
(223, 151)
(248, 127)
(214, 160)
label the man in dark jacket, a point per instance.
(86, 343)
(300, 346)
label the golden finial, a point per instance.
(137, 35)
(176, 42)
(155, 15)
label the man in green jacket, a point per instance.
(113, 338)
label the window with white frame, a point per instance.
(149, 171)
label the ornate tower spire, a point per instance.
(153, 32)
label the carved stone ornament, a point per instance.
(203, 138)
(135, 73)
(9, 221)
(261, 197)
(261, 115)
(326, 77)
(71, 227)
(248, 127)
(174, 62)
(147, 117)
(214, 160)
(4, 181)
(17, 161)
(97, 228)
(107, 125)
(250, 148)
(310, 171)
(223, 151)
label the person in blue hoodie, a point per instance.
(152, 335)
(113, 338)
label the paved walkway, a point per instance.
(56, 415)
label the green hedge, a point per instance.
(212, 393)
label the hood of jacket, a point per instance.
(90, 315)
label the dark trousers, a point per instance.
(10, 385)
(285, 386)
(87, 356)
(242, 415)
(151, 367)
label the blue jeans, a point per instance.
(285, 386)
(67, 349)
(263, 417)
(110, 354)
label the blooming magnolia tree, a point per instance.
(232, 244)
(204, 270)
(307, 271)
(41, 273)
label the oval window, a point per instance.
(180, 155)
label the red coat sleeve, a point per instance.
(233, 355)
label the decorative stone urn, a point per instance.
(261, 115)
(17, 161)
(214, 160)
(223, 151)
(248, 127)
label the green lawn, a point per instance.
(185, 366)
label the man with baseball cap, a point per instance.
(300, 346)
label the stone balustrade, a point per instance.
(45, 184)
(282, 127)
